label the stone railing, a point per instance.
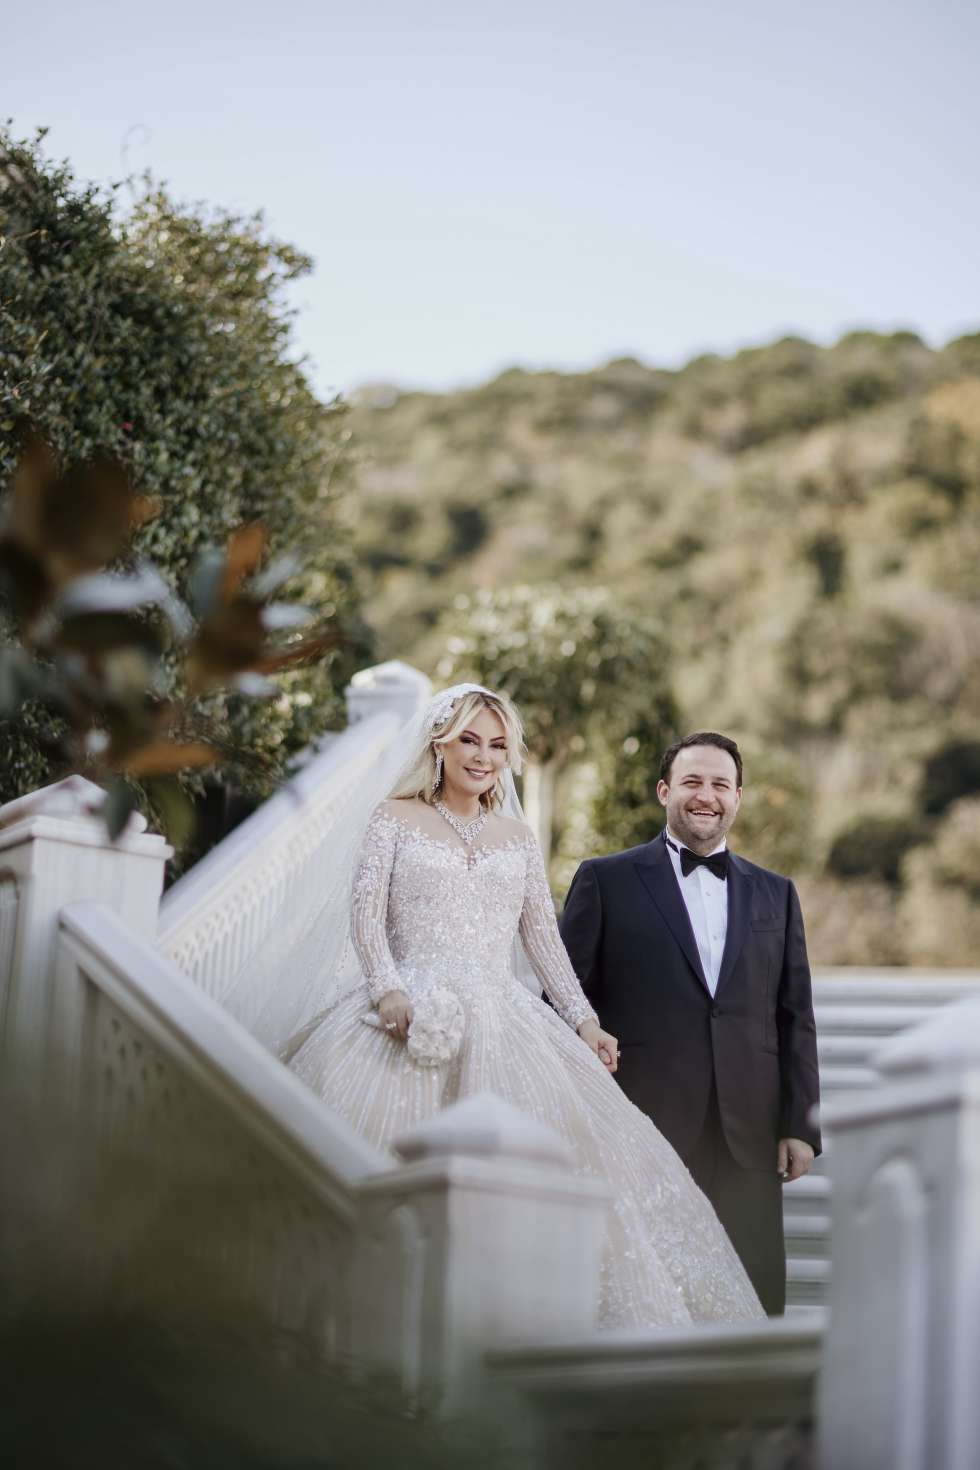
(701, 1398)
(54, 851)
(208, 1184)
(174, 1169)
(166, 1161)
(899, 1384)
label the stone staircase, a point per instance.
(855, 1010)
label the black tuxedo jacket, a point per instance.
(630, 941)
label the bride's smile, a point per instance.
(473, 762)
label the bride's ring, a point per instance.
(391, 1025)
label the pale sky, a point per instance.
(544, 182)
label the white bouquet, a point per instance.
(435, 1032)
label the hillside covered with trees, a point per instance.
(802, 524)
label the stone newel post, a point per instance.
(393, 687)
(901, 1381)
(54, 850)
(484, 1238)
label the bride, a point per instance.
(445, 885)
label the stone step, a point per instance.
(806, 1280)
(706, 1395)
(807, 1236)
(819, 1169)
(837, 1079)
(920, 988)
(807, 1196)
(855, 1012)
(842, 1048)
(868, 1020)
(801, 1313)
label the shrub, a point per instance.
(951, 772)
(163, 341)
(873, 846)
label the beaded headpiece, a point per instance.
(445, 702)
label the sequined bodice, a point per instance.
(455, 915)
(430, 911)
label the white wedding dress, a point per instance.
(430, 912)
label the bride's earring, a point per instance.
(438, 781)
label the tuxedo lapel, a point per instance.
(739, 909)
(657, 875)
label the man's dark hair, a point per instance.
(703, 737)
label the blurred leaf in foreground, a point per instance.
(116, 653)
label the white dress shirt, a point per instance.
(706, 900)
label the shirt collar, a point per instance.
(678, 843)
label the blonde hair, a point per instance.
(420, 779)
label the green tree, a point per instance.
(161, 339)
(626, 809)
(582, 670)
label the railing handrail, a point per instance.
(220, 869)
(220, 1054)
(677, 1356)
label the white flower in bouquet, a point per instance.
(436, 1030)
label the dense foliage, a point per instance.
(114, 660)
(588, 676)
(161, 339)
(573, 660)
(804, 525)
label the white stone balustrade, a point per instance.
(390, 688)
(169, 1162)
(899, 1383)
(502, 1241)
(54, 850)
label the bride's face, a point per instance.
(475, 759)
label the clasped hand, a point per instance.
(395, 1011)
(605, 1046)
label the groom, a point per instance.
(696, 960)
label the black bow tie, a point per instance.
(716, 862)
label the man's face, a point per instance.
(701, 796)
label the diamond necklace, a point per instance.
(468, 831)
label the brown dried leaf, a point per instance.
(145, 508)
(76, 521)
(228, 641)
(245, 550)
(86, 518)
(36, 472)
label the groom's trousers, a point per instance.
(749, 1204)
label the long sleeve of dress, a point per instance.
(369, 907)
(543, 946)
